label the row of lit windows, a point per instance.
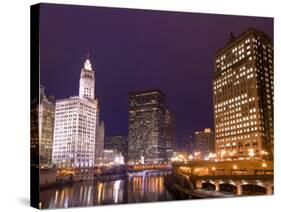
(242, 56)
(236, 99)
(59, 154)
(222, 81)
(236, 58)
(69, 123)
(235, 105)
(228, 111)
(234, 49)
(237, 121)
(225, 82)
(238, 126)
(234, 138)
(236, 132)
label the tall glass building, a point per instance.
(147, 139)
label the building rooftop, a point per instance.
(146, 92)
(234, 40)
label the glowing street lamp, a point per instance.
(235, 167)
(264, 165)
(197, 154)
(251, 153)
(223, 152)
(212, 156)
(190, 157)
(264, 153)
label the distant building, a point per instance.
(99, 148)
(170, 133)
(243, 96)
(118, 142)
(46, 128)
(204, 142)
(113, 157)
(147, 141)
(76, 119)
(188, 143)
(34, 133)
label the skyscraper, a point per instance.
(243, 96)
(147, 114)
(99, 148)
(46, 127)
(204, 142)
(170, 133)
(76, 124)
(118, 142)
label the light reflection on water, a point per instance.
(133, 189)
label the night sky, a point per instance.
(138, 49)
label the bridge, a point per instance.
(236, 184)
(229, 177)
(142, 167)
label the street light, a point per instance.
(264, 165)
(234, 167)
(197, 155)
(212, 156)
(251, 153)
(223, 152)
(264, 153)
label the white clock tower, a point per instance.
(87, 81)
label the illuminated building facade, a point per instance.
(46, 128)
(76, 125)
(118, 142)
(146, 142)
(99, 142)
(204, 142)
(170, 133)
(243, 96)
(34, 133)
(113, 157)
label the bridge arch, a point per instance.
(237, 187)
(228, 187)
(209, 185)
(253, 189)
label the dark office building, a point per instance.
(188, 144)
(147, 127)
(119, 143)
(204, 142)
(170, 133)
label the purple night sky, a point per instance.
(138, 49)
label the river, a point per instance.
(140, 187)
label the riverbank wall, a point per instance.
(180, 187)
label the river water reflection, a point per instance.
(144, 187)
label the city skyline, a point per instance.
(166, 106)
(129, 53)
